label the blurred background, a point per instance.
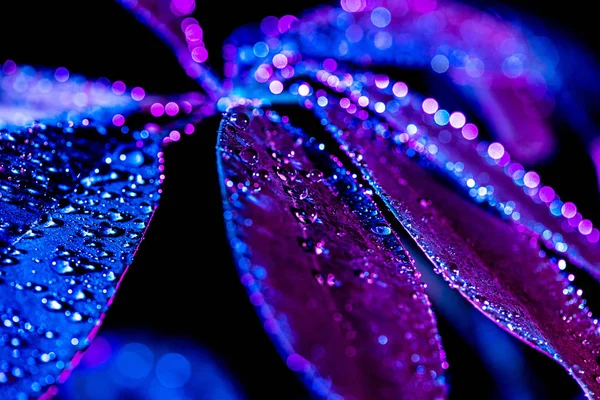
(181, 326)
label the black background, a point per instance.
(183, 281)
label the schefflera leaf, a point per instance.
(494, 263)
(331, 281)
(512, 107)
(74, 204)
(377, 35)
(506, 185)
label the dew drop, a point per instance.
(68, 208)
(423, 202)
(79, 294)
(240, 120)
(286, 173)
(76, 317)
(146, 208)
(47, 221)
(249, 156)
(312, 246)
(139, 224)
(62, 266)
(332, 280)
(382, 230)
(117, 216)
(279, 156)
(454, 269)
(315, 175)
(132, 157)
(108, 230)
(52, 304)
(7, 260)
(306, 214)
(319, 277)
(297, 191)
(262, 175)
(62, 251)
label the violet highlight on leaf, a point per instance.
(332, 282)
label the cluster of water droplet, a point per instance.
(268, 164)
(353, 129)
(75, 202)
(416, 123)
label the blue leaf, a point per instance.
(74, 204)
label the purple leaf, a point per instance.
(74, 204)
(512, 189)
(476, 250)
(462, 45)
(497, 265)
(515, 99)
(487, 172)
(331, 281)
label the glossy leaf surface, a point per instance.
(74, 205)
(331, 281)
(497, 265)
